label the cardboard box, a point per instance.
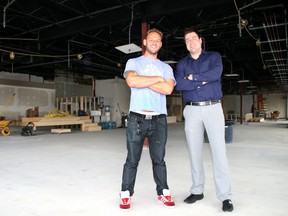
(171, 119)
(177, 110)
(32, 112)
(248, 117)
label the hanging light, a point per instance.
(243, 80)
(243, 23)
(12, 55)
(79, 56)
(130, 47)
(231, 74)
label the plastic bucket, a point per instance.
(229, 131)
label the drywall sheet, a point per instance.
(6, 94)
(32, 97)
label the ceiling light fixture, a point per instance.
(243, 80)
(231, 75)
(131, 47)
(79, 56)
(12, 55)
(243, 23)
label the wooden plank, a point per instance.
(84, 117)
(61, 119)
(30, 119)
(37, 119)
(54, 123)
(61, 130)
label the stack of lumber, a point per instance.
(90, 127)
(258, 119)
(54, 121)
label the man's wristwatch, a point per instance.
(186, 76)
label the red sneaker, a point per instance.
(125, 200)
(166, 199)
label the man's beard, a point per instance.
(152, 52)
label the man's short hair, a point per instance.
(191, 29)
(154, 30)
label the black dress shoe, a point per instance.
(193, 198)
(227, 206)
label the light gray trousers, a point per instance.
(211, 118)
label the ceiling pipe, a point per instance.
(39, 64)
(271, 50)
(4, 12)
(130, 25)
(239, 15)
(269, 41)
(84, 15)
(267, 26)
(228, 47)
(23, 39)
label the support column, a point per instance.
(241, 103)
(144, 29)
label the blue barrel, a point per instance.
(110, 125)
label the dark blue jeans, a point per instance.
(138, 129)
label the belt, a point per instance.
(147, 117)
(203, 103)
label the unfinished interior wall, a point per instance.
(68, 89)
(274, 102)
(231, 103)
(175, 106)
(116, 94)
(26, 97)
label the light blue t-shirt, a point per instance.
(145, 98)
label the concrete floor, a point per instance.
(79, 174)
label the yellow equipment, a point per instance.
(4, 124)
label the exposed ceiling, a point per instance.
(46, 37)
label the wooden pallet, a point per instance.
(56, 121)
